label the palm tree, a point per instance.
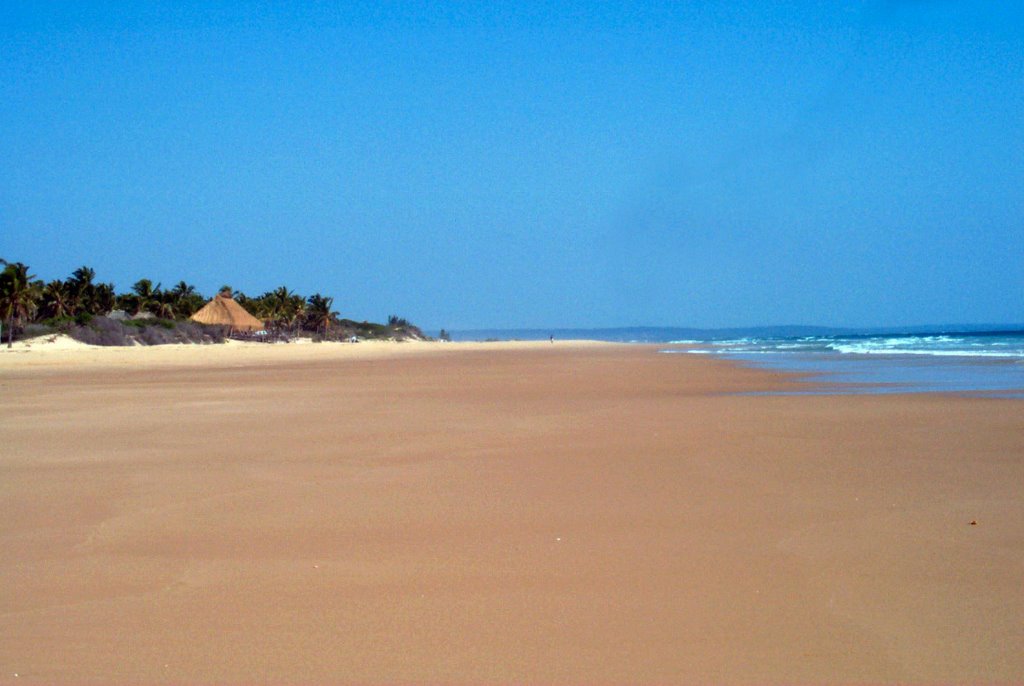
(57, 299)
(163, 305)
(18, 295)
(278, 306)
(144, 295)
(283, 294)
(239, 297)
(319, 312)
(279, 297)
(83, 275)
(183, 290)
(82, 291)
(295, 312)
(263, 307)
(184, 299)
(104, 299)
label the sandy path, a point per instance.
(595, 514)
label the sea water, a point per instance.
(955, 360)
(989, 363)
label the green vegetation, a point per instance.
(18, 295)
(94, 312)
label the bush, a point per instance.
(151, 321)
(56, 323)
(396, 322)
(199, 333)
(155, 335)
(105, 331)
(35, 330)
(101, 331)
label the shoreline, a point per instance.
(822, 378)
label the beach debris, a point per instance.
(974, 522)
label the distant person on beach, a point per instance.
(552, 338)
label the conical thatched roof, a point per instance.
(224, 311)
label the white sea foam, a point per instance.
(861, 349)
(939, 345)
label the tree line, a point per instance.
(25, 299)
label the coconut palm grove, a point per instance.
(92, 311)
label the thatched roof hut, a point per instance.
(224, 311)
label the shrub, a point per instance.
(57, 323)
(106, 331)
(396, 322)
(38, 329)
(155, 335)
(100, 331)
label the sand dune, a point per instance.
(559, 513)
(63, 352)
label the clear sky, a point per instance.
(533, 165)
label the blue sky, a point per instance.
(539, 165)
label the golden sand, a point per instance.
(492, 513)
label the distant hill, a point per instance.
(663, 334)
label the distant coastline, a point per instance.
(668, 334)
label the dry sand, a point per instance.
(496, 513)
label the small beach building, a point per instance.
(224, 311)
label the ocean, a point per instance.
(974, 363)
(988, 362)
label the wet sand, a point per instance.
(496, 514)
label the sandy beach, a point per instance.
(496, 513)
